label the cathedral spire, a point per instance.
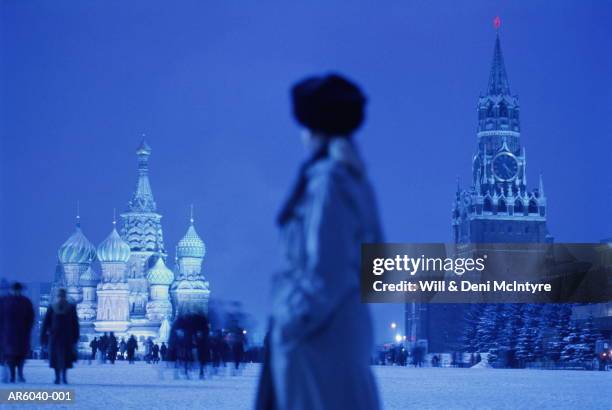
(541, 187)
(498, 79)
(78, 215)
(143, 200)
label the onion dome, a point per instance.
(159, 274)
(113, 248)
(191, 246)
(77, 248)
(89, 278)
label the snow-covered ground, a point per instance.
(142, 386)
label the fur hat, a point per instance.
(330, 105)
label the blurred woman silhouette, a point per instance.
(321, 338)
(60, 330)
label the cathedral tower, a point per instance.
(142, 231)
(190, 290)
(113, 314)
(75, 256)
(160, 278)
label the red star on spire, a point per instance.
(496, 22)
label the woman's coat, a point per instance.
(321, 337)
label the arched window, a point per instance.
(501, 206)
(490, 112)
(503, 110)
(488, 205)
(518, 207)
(533, 207)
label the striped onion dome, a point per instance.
(77, 249)
(113, 249)
(159, 274)
(191, 246)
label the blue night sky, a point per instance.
(208, 84)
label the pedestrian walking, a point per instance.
(330, 212)
(122, 348)
(103, 347)
(155, 353)
(163, 350)
(238, 348)
(4, 291)
(94, 348)
(113, 348)
(17, 321)
(132, 346)
(60, 331)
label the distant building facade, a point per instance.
(124, 284)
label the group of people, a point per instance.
(59, 333)
(191, 341)
(108, 348)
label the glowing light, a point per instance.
(398, 338)
(393, 325)
(496, 22)
(244, 332)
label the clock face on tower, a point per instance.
(505, 166)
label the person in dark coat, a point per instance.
(60, 331)
(201, 342)
(132, 346)
(113, 348)
(181, 343)
(4, 289)
(94, 348)
(155, 353)
(238, 348)
(164, 351)
(216, 342)
(17, 321)
(103, 347)
(122, 349)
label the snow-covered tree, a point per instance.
(574, 350)
(508, 337)
(488, 330)
(529, 341)
(469, 339)
(589, 335)
(558, 317)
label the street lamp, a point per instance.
(398, 338)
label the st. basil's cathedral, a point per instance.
(124, 285)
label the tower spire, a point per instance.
(191, 214)
(78, 215)
(498, 79)
(541, 186)
(143, 200)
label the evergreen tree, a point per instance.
(469, 339)
(573, 351)
(488, 330)
(558, 317)
(589, 335)
(512, 322)
(528, 338)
